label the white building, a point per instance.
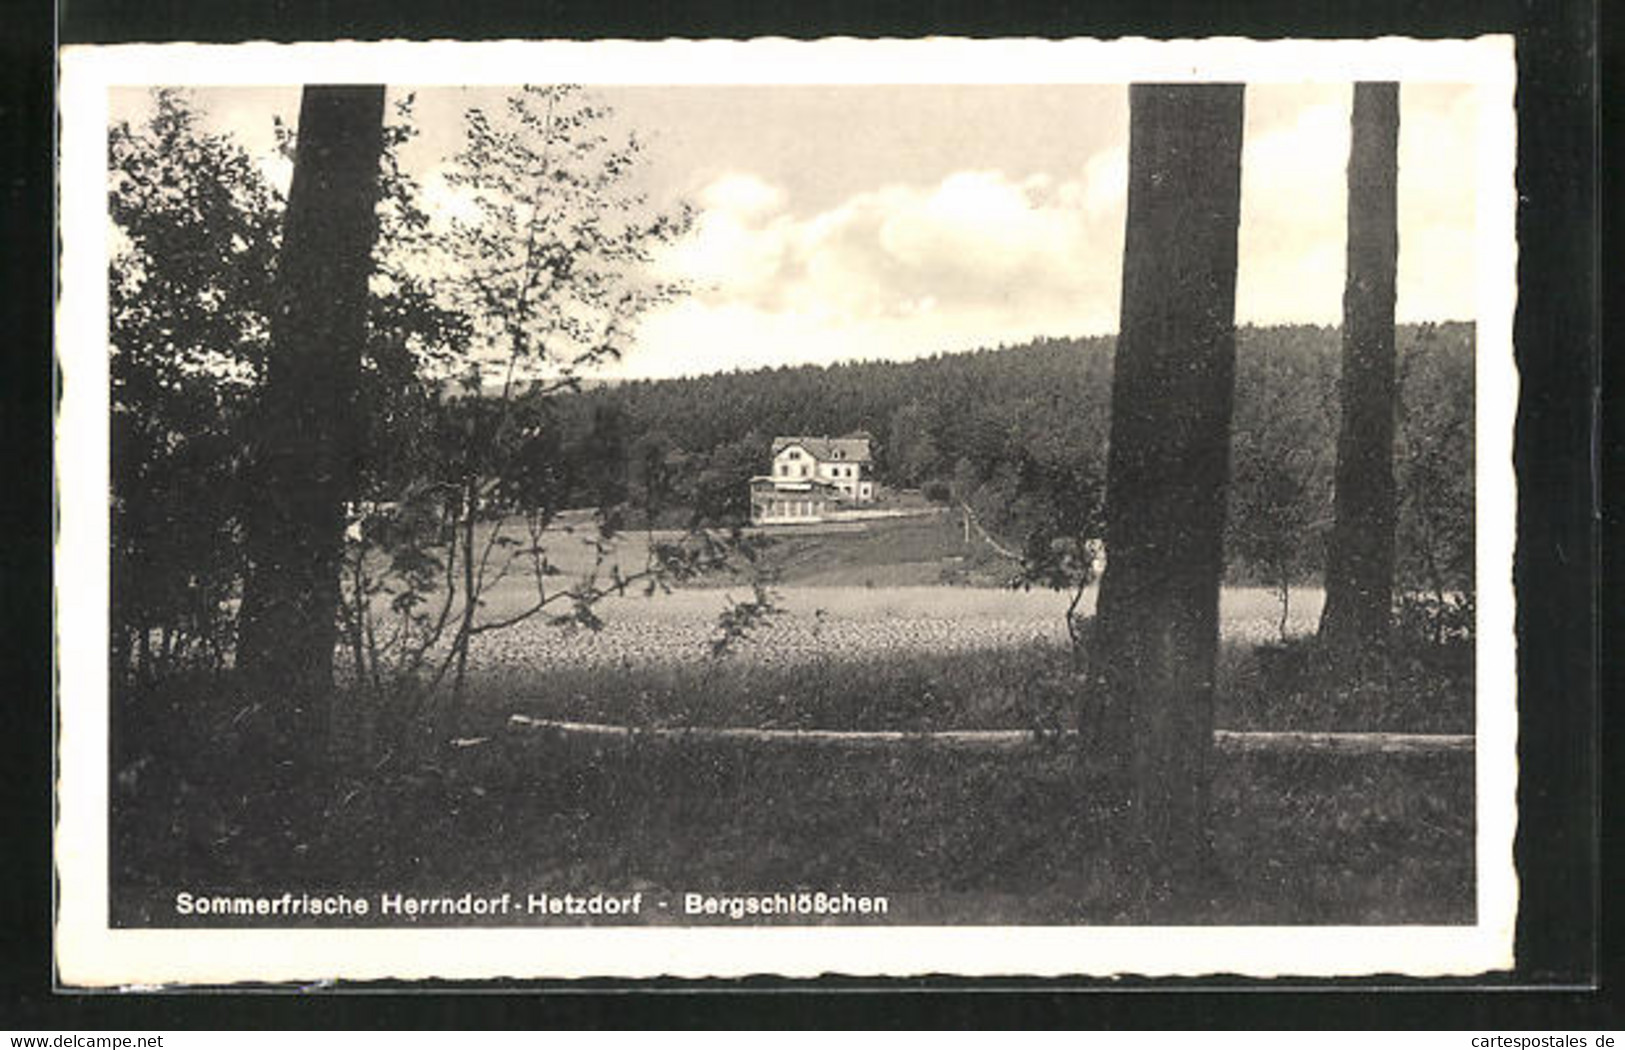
(813, 478)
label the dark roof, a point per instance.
(851, 448)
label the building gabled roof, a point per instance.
(850, 448)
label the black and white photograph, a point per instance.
(715, 508)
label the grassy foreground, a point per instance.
(955, 838)
(1030, 686)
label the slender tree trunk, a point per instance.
(306, 440)
(1074, 624)
(465, 631)
(1360, 558)
(1156, 635)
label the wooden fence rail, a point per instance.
(992, 740)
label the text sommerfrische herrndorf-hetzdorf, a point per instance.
(407, 907)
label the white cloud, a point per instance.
(956, 252)
(690, 337)
(277, 170)
(1294, 224)
(1438, 156)
(1105, 190)
(741, 195)
(979, 257)
(975, 239)
(891, 273)
(444, 201)
(727, 256)
(1294, 188)
(982, 223)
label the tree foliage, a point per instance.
(1435, 567)
(974, 418)
(454, 482)
(196, 232)
(553, 265)
(1280, 463)
(547, 262)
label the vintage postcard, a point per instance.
(701, 509)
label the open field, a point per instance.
(965, 676)
(911, 552)
(844, 593)
(846, 590)
(834, 623)
(915, 551)
(895, 657)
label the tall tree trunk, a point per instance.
(306, 438)
(1360, 559)
(1167, 469)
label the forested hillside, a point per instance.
(1018, 434)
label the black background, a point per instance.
(1568, 939)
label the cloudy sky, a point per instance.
(891, 222)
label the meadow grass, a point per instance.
(955, 838)
(951, 837)
(1035, 685)
(971, 689)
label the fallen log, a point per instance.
(1247, 742)
(991, 740)
(853, 740)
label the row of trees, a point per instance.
(998, 427)
(1173, 392)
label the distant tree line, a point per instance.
(1014, 430)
